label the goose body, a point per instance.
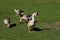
(19, 12)
(31, 22)
(7, 22)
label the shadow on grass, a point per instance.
(21, 22)
(38, 29)
(12, 25)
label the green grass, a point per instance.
(49, 13)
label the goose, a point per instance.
(18, 12)
(31, 22)
(27, 17)
(7, 21)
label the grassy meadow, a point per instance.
(48, 20)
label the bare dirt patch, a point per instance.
(55, 25)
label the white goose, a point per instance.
(18, 12)
(27, 17)
(31, 22)
(7, 22)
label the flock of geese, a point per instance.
(29, 19)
